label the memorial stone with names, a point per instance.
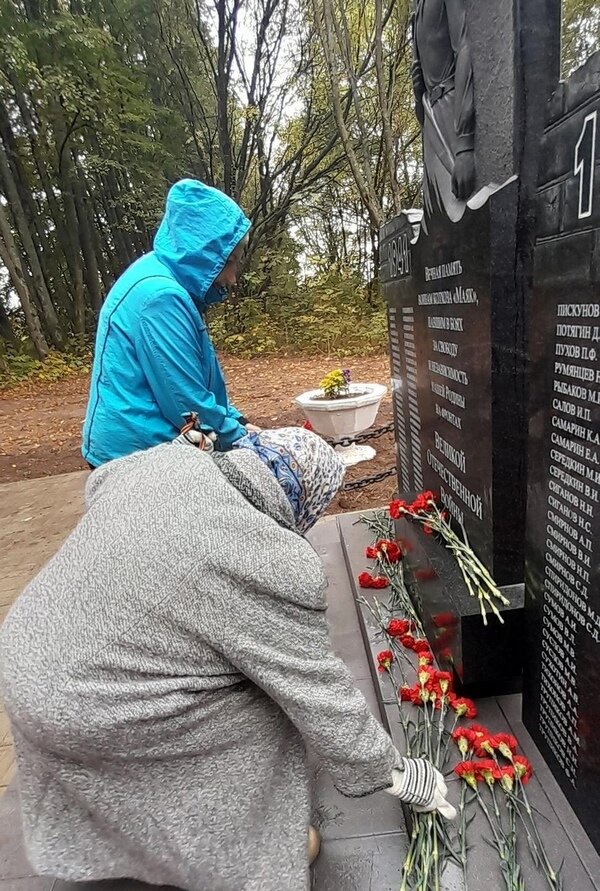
(561, 696)
(456, 281)
(455, 278)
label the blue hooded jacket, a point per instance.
(154, 360)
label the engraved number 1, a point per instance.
(585, 157)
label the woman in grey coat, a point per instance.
(165, 672)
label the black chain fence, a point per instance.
(368, 480)
(362, 437)
(365, 437)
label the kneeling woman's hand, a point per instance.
(419, 783)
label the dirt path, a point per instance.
(40, 424)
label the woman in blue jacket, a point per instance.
(154, 361)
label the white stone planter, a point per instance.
(337, 418)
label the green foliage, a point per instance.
(18, 366)
(580, 33)
(104, 105)
(335, 384)
(330, 314)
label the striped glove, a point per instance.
(203, 441)
(418, 783)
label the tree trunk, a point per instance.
(58, 214)
(120, 246)
(92, 274)
(50, 318)
(326, 30)
(96, 231)
(115, 191)
(6, 331)
(66, 182)
(384, 106)
(222, 91)
(9, 255)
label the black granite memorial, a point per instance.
(455, 280)
(561, 696)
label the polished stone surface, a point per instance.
(457, 289)
(458, 365)
(560, 829)
(452, 619)
(562, 673)
(476, 653)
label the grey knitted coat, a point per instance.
(164, 674)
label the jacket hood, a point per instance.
(199, 229)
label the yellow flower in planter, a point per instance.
(335, 384)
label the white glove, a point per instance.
(203, 441)
(419, 784)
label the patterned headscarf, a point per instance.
(307, 469)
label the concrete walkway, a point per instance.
(35, 517)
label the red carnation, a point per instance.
(397, 627)
(508, 778)
(444, 681)
(426, 675)
(411, 694)
(425, 657)
(384, 660)
(506, 744)
(423, 501)
(398, 508)
(488, 770)
(484, 745)
(308, 426)
(385, 550)
(479, 730)
(467, 770)
(462, 739)
(420, 645)
(366, 580)
(407, 641)
(390, 550)
(464, 707)
(523, 768)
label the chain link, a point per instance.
(365, 437)
(362, 437)
(368, 480)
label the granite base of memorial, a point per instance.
(486, 660)
(559, 828)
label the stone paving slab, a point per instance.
(364, 840)
(35, 517)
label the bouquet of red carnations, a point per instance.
(480, 584)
